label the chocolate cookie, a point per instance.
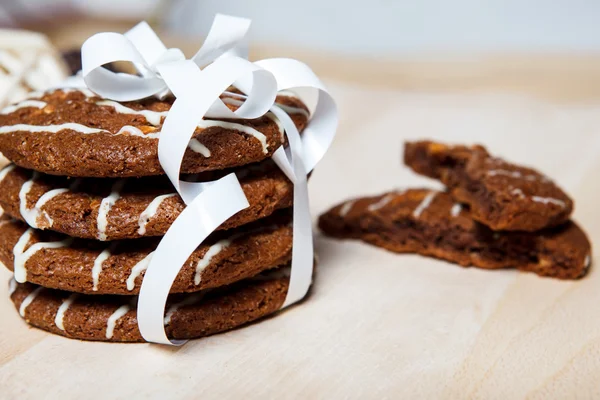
(431, 223)
(76, 133)
(501, 195)
(114, 318)
(111, 209)
(88, 266)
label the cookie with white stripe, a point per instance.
(114, 318)
(76, 133)
(431, 223)
(501, 195)
(88, 266)
(127, 208)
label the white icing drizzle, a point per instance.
(31, 215)
(205, 123)
(150, 211)
(205, 261)
(188, 301)
(12, 286)
(7, 221)
(346, 207)
(288, 109)
(23, 104)
(114, 317)
(547, 200)
(44, 199)
(50, 128)
(270, 115)
(137, 269)
(60, 314)
(539, 199)
(424, 204)
(28, 300)
(153, 117)
(5, 171)
(381, 203)
(21, 256)
(198, 147)
(133, 131)
(19, 273)
(517, 175)
(49, 195)
(194, 144)
(456, 209)
(517, 192)
(84, 91)
(512, 174)
(97, 268)
(105, 206)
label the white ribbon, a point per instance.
(197, 93)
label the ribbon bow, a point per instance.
(197, 85)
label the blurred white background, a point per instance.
(394, 28)
(407, 27)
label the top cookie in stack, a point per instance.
(87, 169)
(76, 133)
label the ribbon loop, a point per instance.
(143, 48)
(225, 34)
(146, 41)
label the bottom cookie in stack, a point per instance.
(114, 318)
(85, 289)
(432, 223)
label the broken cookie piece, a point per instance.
(431, 223)
(501, 195)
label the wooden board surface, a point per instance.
(380, 325)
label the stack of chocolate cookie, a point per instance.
(86, 203)
(493, 215)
